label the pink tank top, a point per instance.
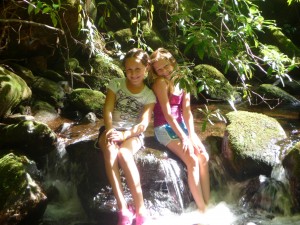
(175, 102)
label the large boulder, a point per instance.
(33, 138)
(250, 144)
(87, 100)
(163, 180)
(21, 197)
(13, 90)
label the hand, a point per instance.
(113, 136)
(185, 144)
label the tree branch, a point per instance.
(31, 23)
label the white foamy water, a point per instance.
(219, 214)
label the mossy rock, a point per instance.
(13, 179)
(250, 144)
(21, 197)
(49, 91)
(104, 69)
(33, 138)
(13, 90)
(219, 86)
(52, 75)
(87, 100)
(25, 73)
(276, 93)
(253, 134)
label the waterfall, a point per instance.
(64, 204)
(174, 183)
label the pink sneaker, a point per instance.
(125, 218)
(140, 219)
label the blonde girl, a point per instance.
(174, 125)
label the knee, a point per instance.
(192, 161)
(123, 155)
(109, 152)
(203, 158)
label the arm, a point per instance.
(141, 127)
(189, 121)
(108, 109)
(109, 105)
(161, 90)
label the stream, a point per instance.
(226, 207)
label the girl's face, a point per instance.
(135, 71)
(163, 67)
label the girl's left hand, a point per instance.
(198, 145)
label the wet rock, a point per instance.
(89, 118)
(44, 111)
(291, 163)
(163, 179)
(266, 193)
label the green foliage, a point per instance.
(209, 115)
(88, 27)
(291, 1)
(44, 8)
(143, 12)
(183, 76)
(107, 8)
(227, 32)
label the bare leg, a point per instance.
(204, 177)
(110, 152)
(127, 163)
(192, 164)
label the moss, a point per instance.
(253, 134)
(13, 90)
(87, 100)
(275, 92)
(13, 178)
(219, 86)
(286, 45)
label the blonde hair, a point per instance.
(160, 54)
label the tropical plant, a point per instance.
(227, 33)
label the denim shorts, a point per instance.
(164, 133)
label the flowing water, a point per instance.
(227, 205)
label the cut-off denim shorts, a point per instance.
(164, 133)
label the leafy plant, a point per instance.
(210, 115)
(143, 11)
(44, 8)
(227, 32)
(291, 1)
